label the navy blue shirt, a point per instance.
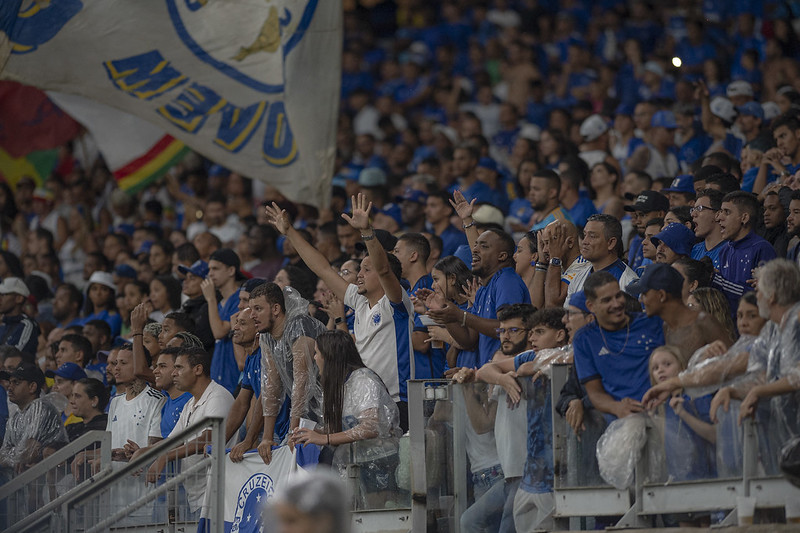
(21, 332)
(736, 263)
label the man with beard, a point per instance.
(493, 265)
(600, 247)
(648, 205)
(793, 228)
(704, 212)
(775, 223)
(744, 250)
(287, 364)
(543, 194)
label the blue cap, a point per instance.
(125, 271)
(69, 371)
(663, 119)
(144, 248)
(126, 229)
(578, 300)
(677, 237)
(413, 195)
(624, 109)
(682, 183)
(199, 268)
(489, 163)
(659, 277)
(394, 211)
(751, 109)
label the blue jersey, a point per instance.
(537, 474)
(224, 369)
(171, 412)
(112, 319)
(582, 210)
(699, 251)
(736, 263)
(251, 376)
(619, 358)
(21, 332)
(478, 191)
(452, 238)
(504, 288)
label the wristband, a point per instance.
(137, 334)
(467, 226)
(338, 320)
(368, 237)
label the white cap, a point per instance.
(771, 110)
(739, 88)
(655, 68)
(14, 286)
(488, 214)
(593, 127)
(448, 132)
(102, 278)
(723, 108)
(532, 132)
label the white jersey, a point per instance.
(137, 420)
(661, 166)
(512, 424)
(215, 401)
(618, 269)
(383, 338)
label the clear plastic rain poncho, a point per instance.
(40, 422)
(784, 363)
(287, 363)
(369, 417)
(542, 365)
(717, 372)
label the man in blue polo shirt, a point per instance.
(612, 353)
(744, 250)
(493, 265)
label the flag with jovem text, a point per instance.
(251, 84)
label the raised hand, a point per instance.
(557, 243)
(361, 209)
(278, 218)
(139, 317)
(470, 289)
(462, 207)
(209, 291)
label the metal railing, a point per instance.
(441, 494)
(32, 498)
(102, 508)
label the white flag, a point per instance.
(251, 84)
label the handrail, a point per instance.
(159, 449)
(41, 468)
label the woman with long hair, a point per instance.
(357, 410)
(604, 181)
(165, 296)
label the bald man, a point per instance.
(558, 254)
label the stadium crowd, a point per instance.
(614, 184)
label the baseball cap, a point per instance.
(682, 183)
(387, 240)
(678, 237)
(14, 285)
(413, 195)
(488, 214)
(663, 119)
(593, 127)
(391, 210)
(144, 248)
(771, 110)
(26, 371)
(125, 271)
(739, 88)
(252, 283)
(228, 257)
(69, 371)
(449, 133)
(199, 268)
(372, 177)
(578, 299)
(751, 109)
(659, 277)
(488, 163)
(648, 201)
(218, 170)
(102, 278)
(654, 67)
(532, 132)
(624, 109)
(45, 195)
(723, 108)
(706, 172)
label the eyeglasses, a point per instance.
(512, 331)
(701, 208)
(345, 272)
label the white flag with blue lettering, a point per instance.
(251, 84)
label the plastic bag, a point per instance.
(620, 448)
(545, 359)
(287, 363)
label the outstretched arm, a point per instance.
(310, 255)
(464, 210)
(380, 263)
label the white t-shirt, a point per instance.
(215, 401)
(383, 338)
(136, 420)
(512, 424)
